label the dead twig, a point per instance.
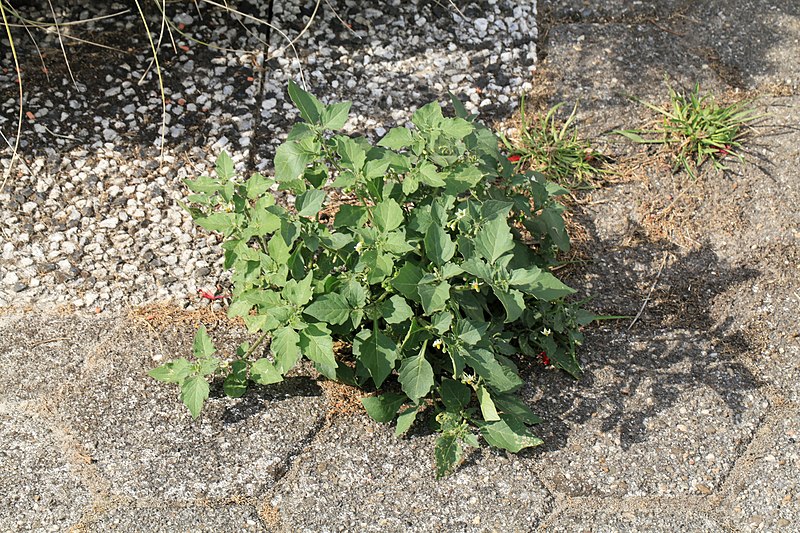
(650, 292)
(48, 341)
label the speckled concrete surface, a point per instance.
(687, 421)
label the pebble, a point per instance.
(109, 223)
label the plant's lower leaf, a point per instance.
(172, 372)
(378, 353)
(448, 454)
(416, 376)
(286, 348)
(501, 434)
(488, 409)
(235, 385)
(383, 408)
(499, 377)
(455, 395)
(317, 345)
(194, 391)
(264, 372)
(405, 420)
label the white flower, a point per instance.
(438, 344)
(546, 332)
(359, 246)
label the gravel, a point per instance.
(91, 218)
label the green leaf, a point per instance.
(499, 377)
(378, 353)
(285, 347)
(194, 391)
(416, 376)
(207, 366)
(455, 395)
(462, 179)
(291, 161)
(396, 310)
(235, 385)
(525, 278)
(471, 332)
(456, 128)
(479, 269)
(298, 292)
(441, 322)
(448, 453)
(407, 280)
(397, 139)
(397, 243)
(501, 434)
(428, 116)
(461, 111)
(224, 166)
(279, 251)
(549, 288)
(203, 184)
(352, 154)
(221, 222)
(383, 408)
(332, 308)
(434, 297)
(203, 347)
(510, 405)
(429, 175)
(355, 294)
(257, 185)
(335, 115)
(438, 246)
(172, 372)
(405, 420)
(495, 208)
(317, 345)
(350, 216)
(494, 239)
(554, 223)
(513, 302)
(264, 372)
(488, 409)
(309, 203)
(388, 215)
(310, 108)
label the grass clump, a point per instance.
(554, 148)
(698, 129)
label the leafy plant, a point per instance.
(698, 129)
(555, 149)
(426, 256)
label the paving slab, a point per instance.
(233, 518)
(606, 11)
(656, 414)
(763, 493)
(46, 351)
(39, 489)
(755, 43)
(357, 476)
(143, 441)
(599, 515)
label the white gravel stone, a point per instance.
(109, 223)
